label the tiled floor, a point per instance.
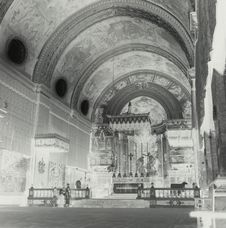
(95, 218)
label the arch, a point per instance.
(117, 51)
(99, 11)
(156, 92)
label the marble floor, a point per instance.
(40, 217)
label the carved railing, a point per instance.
(49, 196)
(174, 197)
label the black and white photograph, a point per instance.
(112, 114)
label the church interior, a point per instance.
(114, 98)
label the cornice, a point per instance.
(17, 82)
(99, 11)
(52, 103)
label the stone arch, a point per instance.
(156, 92)
(95, 12)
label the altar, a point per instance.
(131, 150)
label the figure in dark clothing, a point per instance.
(67, 195)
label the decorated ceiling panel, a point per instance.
(144, 80)
(126, 63)
(92, 51)
(112, 33)
(34, 21)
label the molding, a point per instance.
(4, 6)
(52, 103)
(99, 11)
(17, 75)
(68, 121)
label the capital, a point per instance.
(191, 72)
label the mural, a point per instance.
(56, 173)
(107, 35)
(13, 169)
(147, 105)
(36, 20)
(114, 32)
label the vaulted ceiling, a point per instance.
(107, 52)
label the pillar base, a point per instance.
(219, 194)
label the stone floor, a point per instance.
(40, 217)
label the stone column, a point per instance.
(120, 155)
(126, 154)
(219, 102)
(164, 152)
(195, 131)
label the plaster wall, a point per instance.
(30, 111)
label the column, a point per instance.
(120, 160)
(195, 131)
(163, 151)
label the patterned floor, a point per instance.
(95, 218)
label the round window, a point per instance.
(84, 107)
(61, 87)
(16, 51)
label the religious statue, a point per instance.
(99, 115)
(150, 164)
(41, 166)
(113, 166)
(156, 165)
(129, 108)
(140, 165)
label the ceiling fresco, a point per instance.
(110, 33)
(102, 48)
(125, 64)
(36, 20)
(143, 104)
(142, 80)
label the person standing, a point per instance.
(55, 197)
(61, 198)
(67, 196)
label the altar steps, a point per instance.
(122, 196)
(111, 203)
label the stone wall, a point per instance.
(219, 104)
(207, 21)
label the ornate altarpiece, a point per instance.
(127, 149)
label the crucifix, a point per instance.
(130, 163)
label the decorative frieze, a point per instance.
(52, 142)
